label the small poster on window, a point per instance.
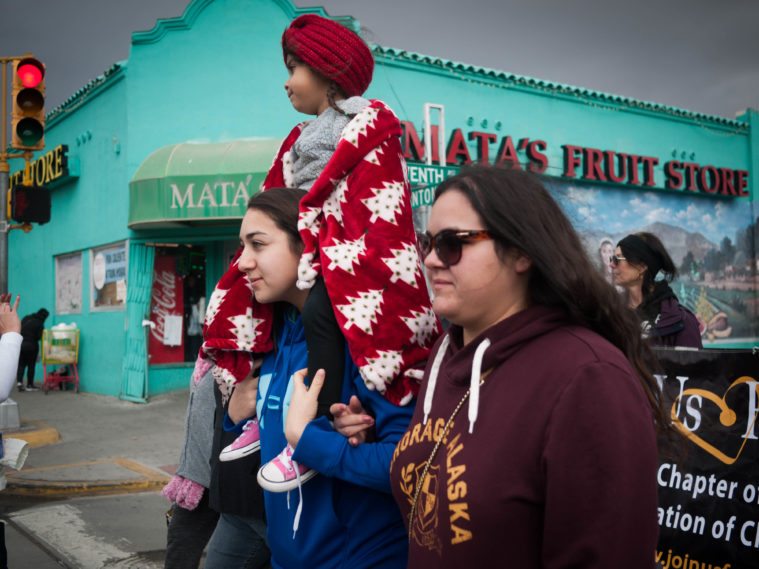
(108, 277)
(68, 284)
(172, 330)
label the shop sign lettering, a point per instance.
(579, 162)
(48, 168)
(208, 194)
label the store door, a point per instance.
(178, 301)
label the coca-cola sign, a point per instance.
(167, 301)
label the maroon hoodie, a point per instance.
(554, 467)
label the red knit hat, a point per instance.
(332, 50)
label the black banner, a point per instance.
(709, 497)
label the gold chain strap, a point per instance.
(434, 453)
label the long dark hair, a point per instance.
(518, 211)
(662, 261)
(281, 205)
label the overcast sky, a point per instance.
(701, 55)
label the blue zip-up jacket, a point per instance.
(349, 517)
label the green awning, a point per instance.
(191, 182)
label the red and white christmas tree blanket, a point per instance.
(357, 228)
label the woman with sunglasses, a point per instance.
(534, 440)
(637, 260)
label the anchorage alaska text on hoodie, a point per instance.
(550, 464)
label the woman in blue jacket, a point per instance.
(345, 516)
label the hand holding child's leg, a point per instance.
(352, 421)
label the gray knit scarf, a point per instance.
(318, 140)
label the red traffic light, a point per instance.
(28, 104)
(30, 72)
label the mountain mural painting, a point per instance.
(712, 245)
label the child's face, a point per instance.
(307, 90)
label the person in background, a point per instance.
(535, 440)
(10, 347)
(192, 521)
(639, 258)
(238, 536)
(32, 326)
(10, 344)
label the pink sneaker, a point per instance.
(282, 473)
(247, 443)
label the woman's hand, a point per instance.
(9, 320)
(352, 421)
(242, 403)
(303, 405)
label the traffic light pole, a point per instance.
(4, 171)
(5, 227)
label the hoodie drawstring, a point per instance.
(299, 509)
(433, 377)
(287, 460)
(474, 383)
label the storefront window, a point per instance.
(178, 304)
(108, 277)
(68, 284)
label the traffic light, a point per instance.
(30, 204)
(28, 101)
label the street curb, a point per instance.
(68, 489)
(35, 433)
(150, 480)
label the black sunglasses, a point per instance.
(615, 259)
(448, 243)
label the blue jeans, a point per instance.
(238, 543)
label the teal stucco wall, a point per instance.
(86, 212)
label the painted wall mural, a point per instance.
(711, 241)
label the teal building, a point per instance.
(150, 166)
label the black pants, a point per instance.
(27, 360)
(189, 532)
(3, 550)
(326, 345)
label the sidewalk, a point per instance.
(87, 497)
(126, 531)
(105, 446)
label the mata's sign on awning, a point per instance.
(192, 182)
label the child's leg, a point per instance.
(326, 345)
